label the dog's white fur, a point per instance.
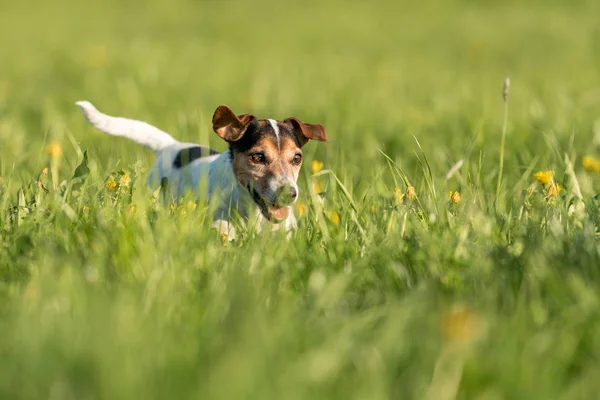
(209, 177)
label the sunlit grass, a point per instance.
(446, 248)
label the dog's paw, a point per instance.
(225, 229)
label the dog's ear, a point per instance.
(229, 126)
(305, 132)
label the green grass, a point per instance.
(497, 297)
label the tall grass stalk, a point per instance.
(505, 90)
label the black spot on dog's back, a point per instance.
(186, 156)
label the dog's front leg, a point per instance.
(225, 229)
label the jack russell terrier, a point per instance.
(255, 179)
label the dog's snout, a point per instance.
(287, 194)
(293, 193)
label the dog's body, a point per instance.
(256, 178)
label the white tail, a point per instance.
(138, 131)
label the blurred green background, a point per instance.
(492, 298)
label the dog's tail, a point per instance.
(138, 131)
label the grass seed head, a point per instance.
(506, 89)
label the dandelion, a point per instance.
(454, 197)
(125, 180)
(554, 189)
(316, 166)
(544, 177)
(410, 193)
(398, 195)
(110, 185)
(301, 208)
(591, 164)
(461, 325)
(54, 149)
(333, 217)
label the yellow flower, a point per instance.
(125, 180)
(301, 209)
(316, 166)
(410, 193)
(333, 217)
(317, 188)
(591, 164)
(54, 149)
(544, 177)
(398, 195)
(461, 325)
(554, 189)
(454, 197)
(110, 185)
(132, 209)
(223, 236)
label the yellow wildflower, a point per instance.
(125, 180)
(317, 188)
(301, 208)
(333, 217)
(110, 185)
(544, 177)
(132, 209)
(554, 189)
(54, 149)
(316, 166)
(410, 193)
(454, 197)
(591, 164)
(398, 195)
(461, 325)
(224, 236)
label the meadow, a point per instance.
(448, 240)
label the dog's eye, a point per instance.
(258, 158)
(297, 159)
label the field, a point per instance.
(393, 286)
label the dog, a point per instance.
(255, 179)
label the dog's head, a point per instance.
(266, 156)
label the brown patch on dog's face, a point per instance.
(266, 157)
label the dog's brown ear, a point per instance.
(305, 132)
(229, 126)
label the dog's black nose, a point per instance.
(287, 194)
